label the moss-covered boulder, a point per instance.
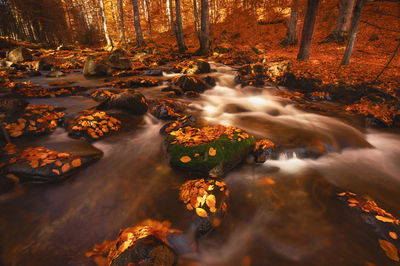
(212, 150)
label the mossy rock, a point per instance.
(214, 158)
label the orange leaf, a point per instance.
(65, 167)
(201, 212)
(76, 163)
(212, 151)
(185, 159)
(390, 250)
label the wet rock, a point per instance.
(55, 74)
(177, 90)
(263, 150)
(167, 109)
(209, 151)
(191, 94)
(20, 54)
(93, 125)
(45, 64)
(41, 164)
(128, 100)
(118, 60)
(191, 83)
(11, 106)
(192, 67)
(5, 63)
(305, 85)
(210, 81)
(207, 199)
(144, 244)
(34, 120)
(95, 69)
(181, 122)
(234, 109)
(152, 72)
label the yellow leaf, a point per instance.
(185, 159)
(390, 250)
(384, 219)
(201, 212)
(210, 201)
(212, 151)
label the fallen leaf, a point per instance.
(384, 219)
(65, 168)
(185, 159)
(76, 163)
(212, 151)
(393, 235)
(390, 250)
(201, 212)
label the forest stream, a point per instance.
(284, 211)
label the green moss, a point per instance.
(229, 153)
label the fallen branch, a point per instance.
(379, 27)
(388, 63)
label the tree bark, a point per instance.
(291, 34)
(136, 21)
(353, 31)
(205, 28)
(121, 21)
(196, 18)
(178, 26)
(147, 10)
(104, 20)
(308, 29)
(171, 15)
(343, 21)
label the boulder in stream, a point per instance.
(95, 68)
(118, 60)
(211, 150)
(128, 100)
(191, 83)
(144, 244)
(167, 109)
(20, 54)
(192, 67)
(41, 164)
(262, 150)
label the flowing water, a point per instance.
(293, 222)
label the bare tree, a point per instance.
(196, 18)
(170, 11)
(147, 15)
(308, 29)
(121, 21)
(339, 33)
(205, 28)
(104, 20)
(178, 27)
(291, 34)
(136, 22)
(353, 31)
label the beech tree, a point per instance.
(341, 30)
(291, 34)
(104, 20)
(121, 22)
(178, 27)
(136, 21)
(308, 29)
(204, 35)
(353, 31)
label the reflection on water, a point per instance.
(296, 221)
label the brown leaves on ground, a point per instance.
(36, 119)
(60, 162)
(128, 237)
(200, 195)
(189, 136)
(95, 124)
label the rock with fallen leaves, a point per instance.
(382, 223)
(207, 199)
(181, 122)
(144, 244)
(118, 60)
(262, 150)
(167, 109)
(39, 92)
(20, 54)
(190, 83)
(95, 67)
(35, 120)
(93, 125)
(128, 100)
(192, 67)
(211, 150)
(43, 165)
(11, 106)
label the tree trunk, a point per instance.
(171, 15)
(196, 18)
(121, 21)
(147, 10)
(104, 20)
(344, 18)
(353, 31)
(308, 29)
(291, 34)
(136, 20)
(178, 26)
(205, 28)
